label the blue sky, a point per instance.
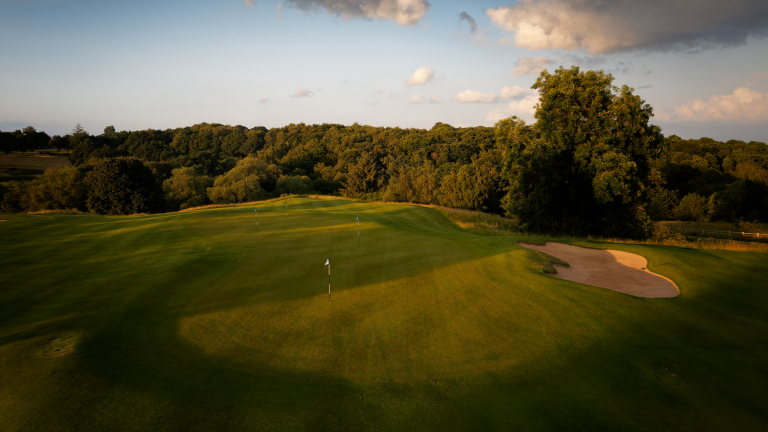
(136, 65)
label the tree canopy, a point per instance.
(583, 167)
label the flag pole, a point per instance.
(329, 281)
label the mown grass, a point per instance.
(200, 320)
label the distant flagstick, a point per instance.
(328, 263)
(358, 225)
(257, 216)
(286, 209)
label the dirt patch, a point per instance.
(616, 270)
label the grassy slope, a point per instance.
(201, 321)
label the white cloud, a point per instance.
(523, 108)
(422, 75)
(514, 92)
(403, 12)
(744, 105)
(417, 99)
(435, 99)
(530, 65)
(651, 25)
(263, 101)
(249, 3)
(302, 93)
(474, 96)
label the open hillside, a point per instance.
(219, 319)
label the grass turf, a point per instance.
(202, 321)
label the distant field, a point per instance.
(201, 320)
(28, 166)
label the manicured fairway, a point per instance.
(202, 321)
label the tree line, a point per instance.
(591, 163)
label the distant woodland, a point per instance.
(590, 164)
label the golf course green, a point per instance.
(204, 320)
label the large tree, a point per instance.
(123, 186)
(583, 167)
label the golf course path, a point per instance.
(616, 270)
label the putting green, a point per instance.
(202, 320)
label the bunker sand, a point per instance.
(616, 270)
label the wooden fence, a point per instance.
(729, 234)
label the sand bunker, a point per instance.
(619, 271)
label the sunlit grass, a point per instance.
(201, 320)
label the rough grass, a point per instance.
(202, 321)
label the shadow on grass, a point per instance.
(134, 371)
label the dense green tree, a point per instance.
(744, 199)
(692, 207)
(582, 168)
(297, 185)
(57, 189)
(364, 177)
(123, 186)
(185, 188)
(241, 184)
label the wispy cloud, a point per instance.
(514, 92)
(530, 65)
(249, 3)
(302, 93)
(417, 99)
(264, 100)
(472, 23)
(403, 12)
(474, 96)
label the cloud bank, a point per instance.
(744, 105)
(603, 27)
(421, 76)
(403, 12)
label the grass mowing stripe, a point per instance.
(200, 320)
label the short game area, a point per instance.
(201, 320)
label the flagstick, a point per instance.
(329, 282)
(358, 227)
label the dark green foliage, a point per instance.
(297, 185)
(241, 184)
(185, 189)
(583, 167)
(12, 195)
(589, 162)
(123, 186)
(57, 189)
(744, 199)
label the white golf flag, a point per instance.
(357, 218)
(328, 261)
(255, 210)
